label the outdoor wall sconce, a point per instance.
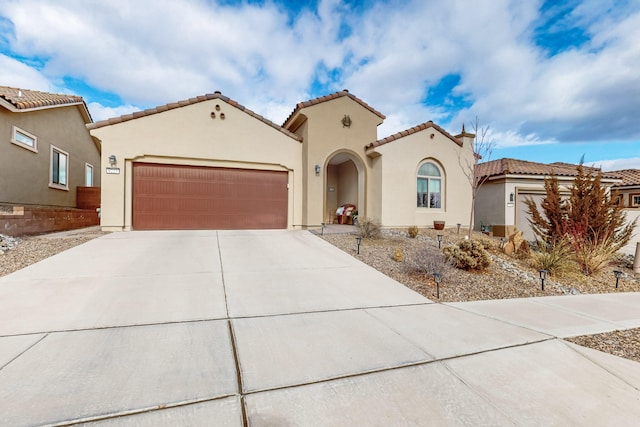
(439, 237)
(317, 170)
(358, 241)
(512, 198)
(618, 275)
(346, 121)
(438, 278)
(112, 160)
(543, 276)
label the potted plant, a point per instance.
(438, 225)
(354, 217)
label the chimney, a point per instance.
(466, 138)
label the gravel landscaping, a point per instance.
(416, 258)
(20, 252)
(507, 277)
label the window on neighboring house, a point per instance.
(429, 186)
(635, 200)
(88, 175)
(24, 139)
(59, 169)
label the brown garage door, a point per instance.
(176, 197)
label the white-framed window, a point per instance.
(88, 175)
(430, 189)
(635, 200)
(59, 170)
(24, 139)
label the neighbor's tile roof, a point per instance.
(523, 167)
(629, 177)
(25, 99)
(410, 131)
(190, 101)
(320, 100)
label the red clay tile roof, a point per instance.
(190, 101)
(630, 177)
(523, 167)
(24, 100)
(414, 129)
(315, 101)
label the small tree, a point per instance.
(591, 220)
(482, 149)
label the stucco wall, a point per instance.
(347, 177)
(25, 174)
(325, 136)
(490, 205)
(400, 160)
(632, 214)
(190, 136)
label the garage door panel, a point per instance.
(192, 197)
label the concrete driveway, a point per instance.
(279, 328)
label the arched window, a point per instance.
(429, 186)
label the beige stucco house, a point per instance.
(629, 190)
(209, 162)
(507, 183)
(46, 149)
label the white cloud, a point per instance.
(153, 52)
(17, 74)
(618, 164)
(100, 112)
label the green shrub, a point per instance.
(413, 231)
(468, 255)
(369, 228)
(554, 257)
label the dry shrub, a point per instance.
(556, 257)
(413, 231)
(430, 261)
(398, 256)
(468, 255)
(592, 257)
(369, 228)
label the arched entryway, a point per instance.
(344, 183)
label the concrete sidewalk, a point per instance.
(280, 328)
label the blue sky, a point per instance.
(553, 81)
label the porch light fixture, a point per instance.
(618, 275)
(512, 198)
(358, 242)
(112, 160)
(346, 121)
(439, 237)
(438, 278)
(317, 170)
(543, 276)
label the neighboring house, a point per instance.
(208, 162)
(500, 206)
(46, 153)
(629, 190)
